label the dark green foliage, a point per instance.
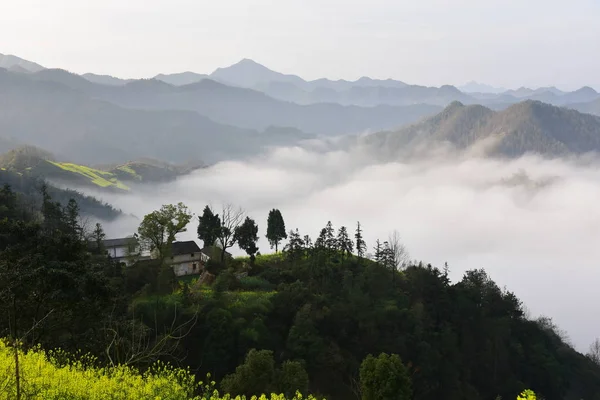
(384, 378)
(344, 243)
(275, 228)
(291, 378)
(295, 248)
(209, 225)
(28, 188)
(313, 308)
(258, 374)
(361, 246)
(255, 375)
(246, 236)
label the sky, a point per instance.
(538, 237)
(508, 43)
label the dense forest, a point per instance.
(28, 188)
(317, 316)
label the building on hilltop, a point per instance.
(187, 258)
(126, 250)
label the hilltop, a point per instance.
(526, 127)
(38, 163)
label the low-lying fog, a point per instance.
(533, 224)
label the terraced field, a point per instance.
(95, 176)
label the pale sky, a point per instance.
(508, 43)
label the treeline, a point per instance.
(28, 188)
(319, 316)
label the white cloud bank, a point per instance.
(533, 224)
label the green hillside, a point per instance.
(527, 127)
(39, 163)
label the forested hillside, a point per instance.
(28, 190)
(527, 127)
(307, 317)
(35, 163)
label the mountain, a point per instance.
(585, 94)
(524, 92)
(75, 126)
(590, 107)
(529, 126)
(366, 96)
(475, 87)
(242, 107)
(182, 78)
(35, 162)
(17, 64)
(105, 79)
(248, 73)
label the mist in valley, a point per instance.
(533, 224)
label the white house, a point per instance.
(126, 250)
(187, 258)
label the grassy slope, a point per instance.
(37, 162)
(96, 177)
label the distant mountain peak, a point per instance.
(586, 90)
(11, 62)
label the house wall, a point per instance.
(184, 264)
(117, 252)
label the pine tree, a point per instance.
(71, 215)
(330, 240)
(378, 251)
(344, 243)
(209, 225)
(98, 236)
(321, 242)
(275, 228)
(295, 247)
(361, 246)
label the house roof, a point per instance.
(209, 251)
(121, 242)
(179, 248)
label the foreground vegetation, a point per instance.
(320, 317)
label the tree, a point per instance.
(378, 256)
(98, 236)
(275, 228)
(292, 377)
(71, 212)
(246, 236)
(330, 241)
(398, 256)
(594, 352)
(209, 225)
(344, 243)
(384, 378)
(231, 218)
(295, 247)
(255, 375)
(159, 228)
(361, 246)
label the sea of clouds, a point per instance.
(532, 224)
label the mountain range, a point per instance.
(241, 110)
(88, 122)
(527, 127)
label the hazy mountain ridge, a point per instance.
(242, 107)
(74, 126)
(526, 127)
(365, 92)
(17, 64)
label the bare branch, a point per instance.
(399, 253)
